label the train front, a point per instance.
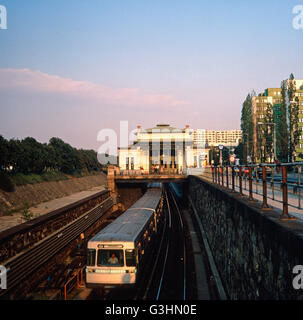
(110, 264)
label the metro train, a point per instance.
(117, 254)
(177, 189)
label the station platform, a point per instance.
(9, 221)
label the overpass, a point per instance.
(150, 178)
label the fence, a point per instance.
(75, 281)
(275, 181)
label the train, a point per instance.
(177, 189)
(117, 254)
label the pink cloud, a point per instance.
(37, 81)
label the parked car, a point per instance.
(259, 172)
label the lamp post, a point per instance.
(275, 139)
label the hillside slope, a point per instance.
(31, 195)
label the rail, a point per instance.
(25, 263)
(280, 183)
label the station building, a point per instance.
(163, 149)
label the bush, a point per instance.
(27, 214)
(53, 176)
(21, 179)
(6, 183)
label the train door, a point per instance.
(127, 163)
(132, 164)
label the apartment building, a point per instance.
(270, 101)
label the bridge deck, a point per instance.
(150, 178)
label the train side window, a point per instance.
(91, 257)
(130, 257)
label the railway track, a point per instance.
(25, 263)
(180, 266)
(165, 274)
(168, 275)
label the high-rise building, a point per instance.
(213, 138)
(267, 106)
(298, 84)
(264, 106)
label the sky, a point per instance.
(72, 68)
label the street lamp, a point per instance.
(275, 140)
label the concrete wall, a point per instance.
(128, 194)
(254, 250)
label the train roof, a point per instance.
(128, 226)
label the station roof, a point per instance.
(163, 128)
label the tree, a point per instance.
(67, 160)
(33, 156)
(239, 152)
(4, 154)
(293, 118)
(282, 127)
(266, 143)
(247, 126)
(15, 155)
(214, 156)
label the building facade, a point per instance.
(163, 149)
(266, 108)
(167, 149)
(227, 138)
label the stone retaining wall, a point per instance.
(254, 250)
(32, 195)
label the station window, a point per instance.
(91, 257)
(110, 258)
(130, 257)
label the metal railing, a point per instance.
(75, 281)
(277, 182)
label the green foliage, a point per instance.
(265, 136)
(214, 154)
(293, 118)
(29, 161)
(21, 179)
(6, 184)
(282, 128)
(27, 214)
(247, 126)
(288, 128)
(239, 152)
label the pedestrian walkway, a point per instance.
(9, 221)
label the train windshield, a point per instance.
(110, 258)
(91, 257)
